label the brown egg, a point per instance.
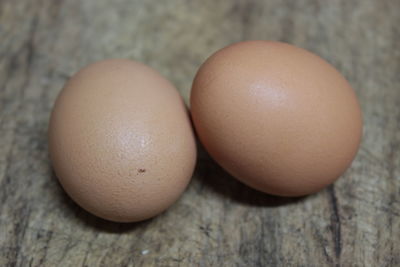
(121, 141)
(277, 117)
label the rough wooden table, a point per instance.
(218, 221)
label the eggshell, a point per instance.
(121, 141)
(277, 117)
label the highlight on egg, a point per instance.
(277, 117)
(120, 141)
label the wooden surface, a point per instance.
(218, 221)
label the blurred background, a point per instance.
(218, 221)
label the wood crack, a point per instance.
(335, 222)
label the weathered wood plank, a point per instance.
(218, 221)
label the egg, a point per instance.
(121, 141)
(277, 117)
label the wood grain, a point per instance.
(218, 221)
